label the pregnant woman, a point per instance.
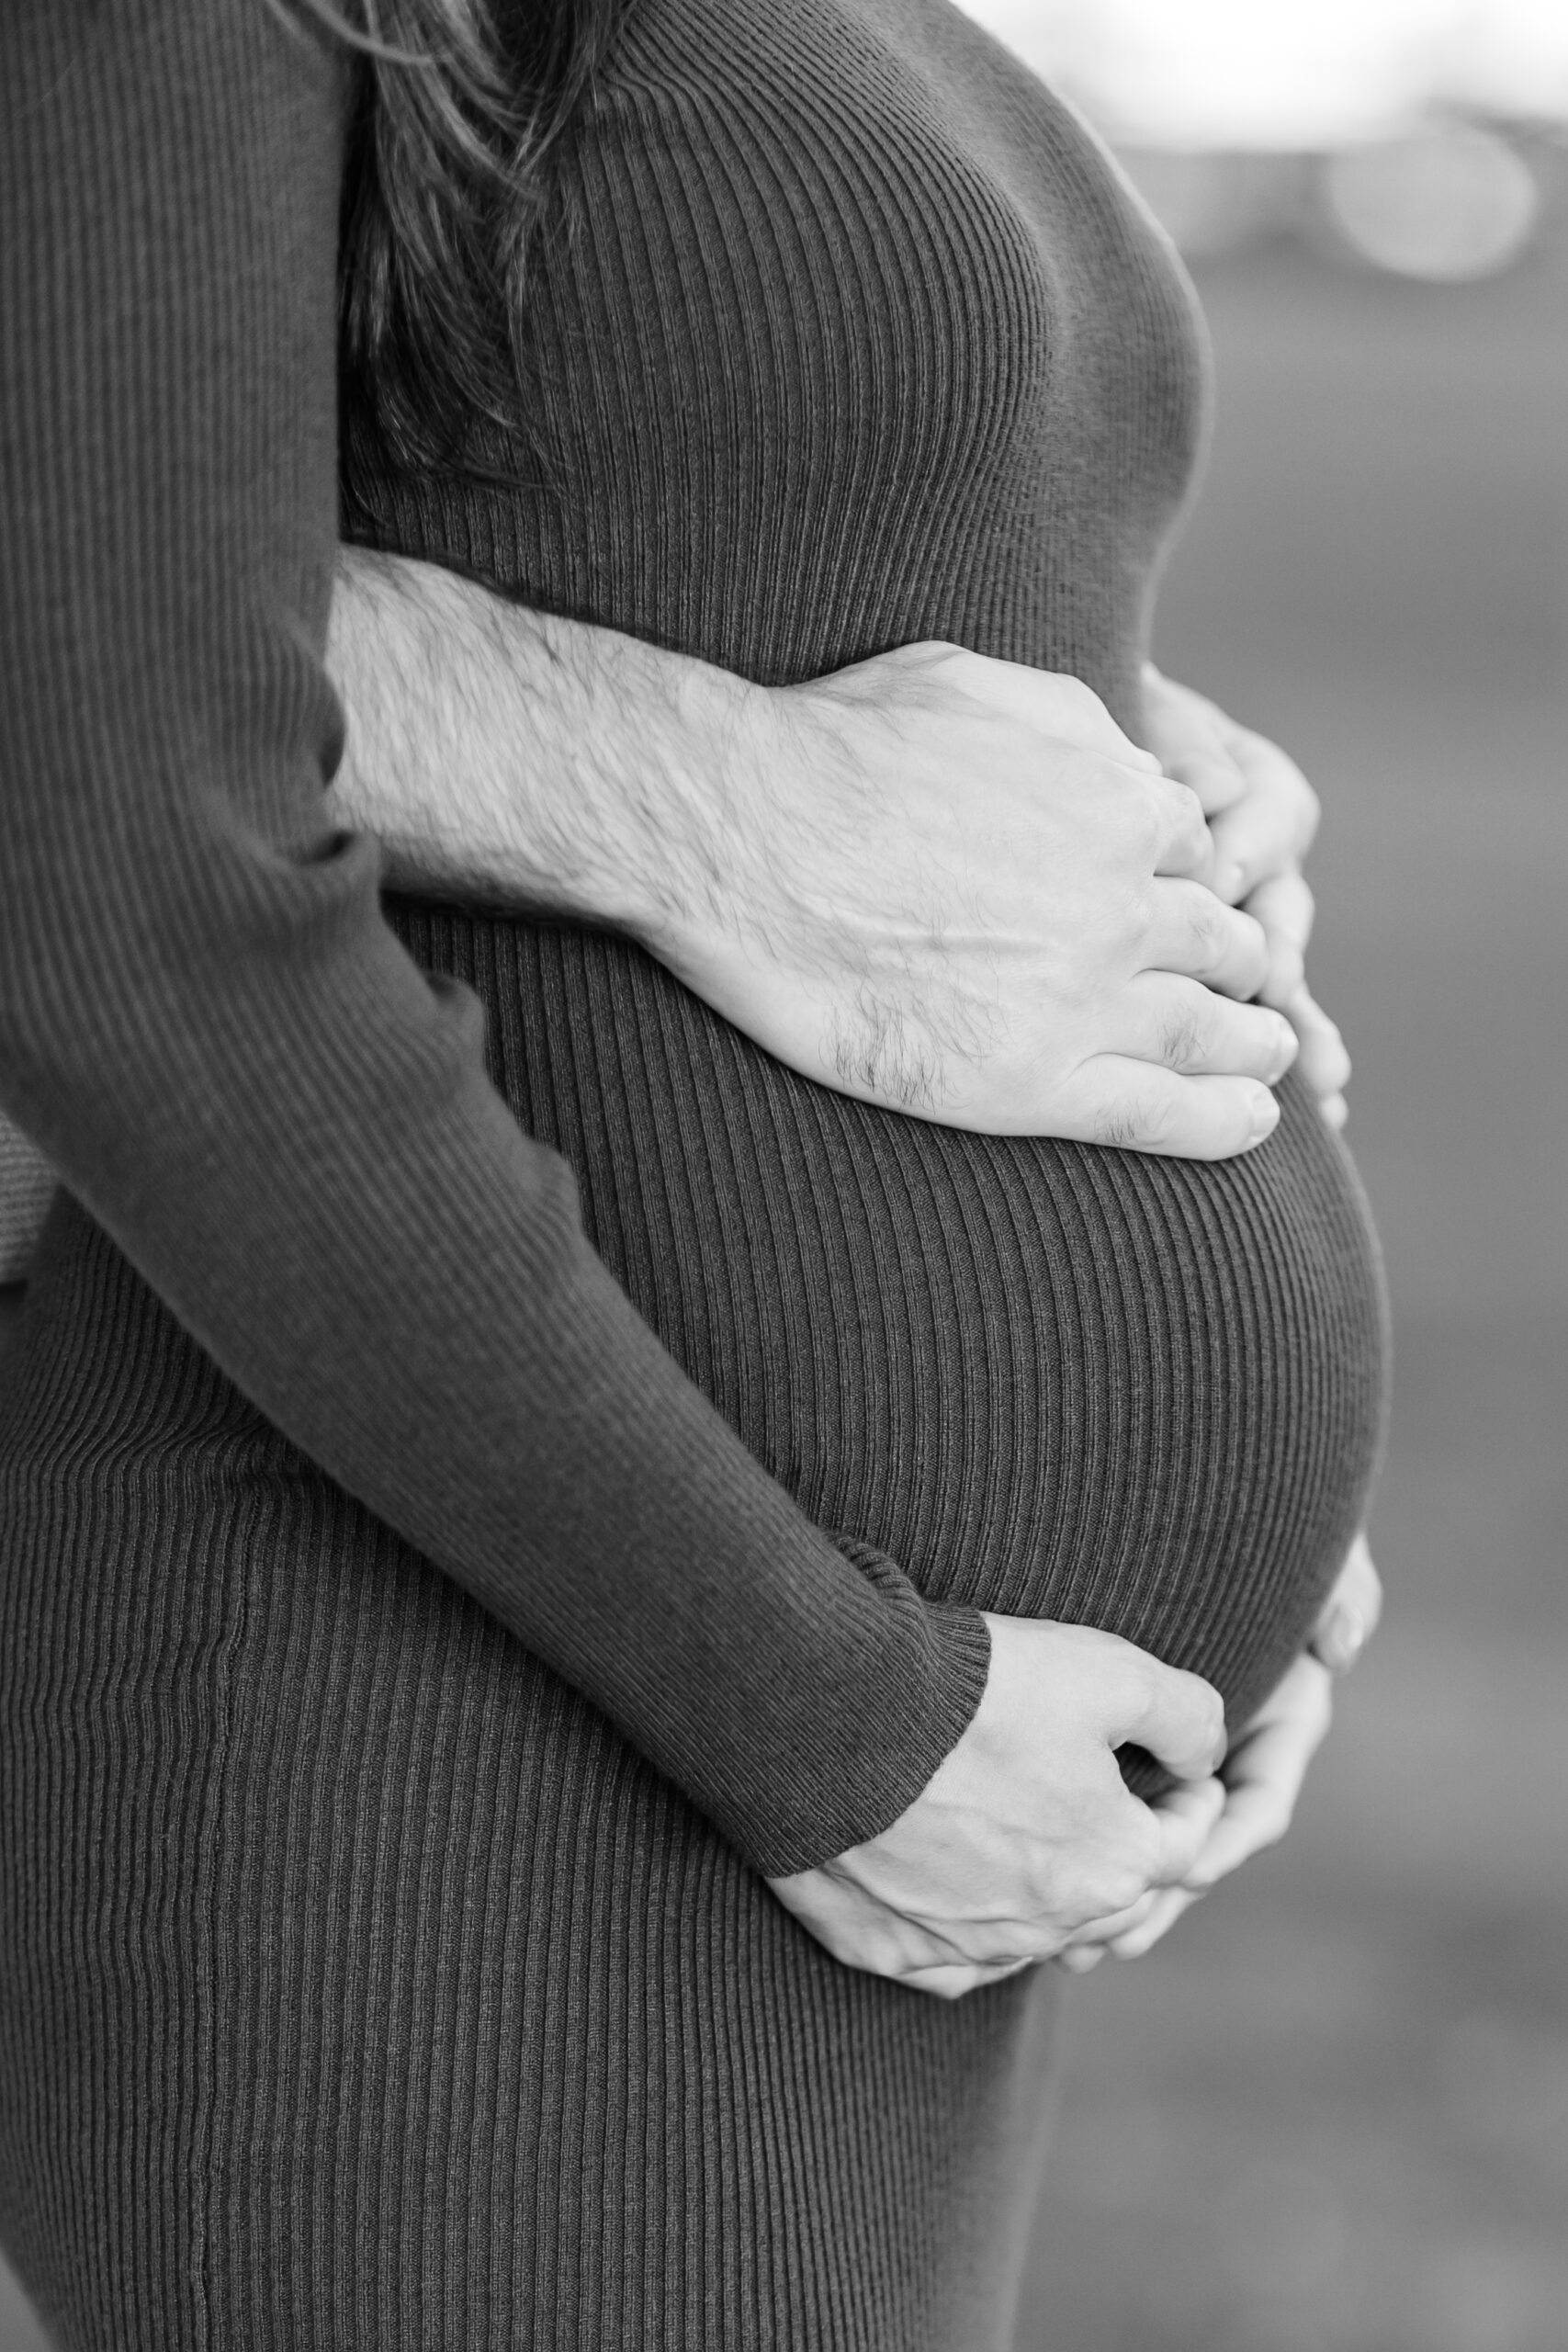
(848, 336)
(408, 2003)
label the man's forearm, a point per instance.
(503, 754)
(949, 885)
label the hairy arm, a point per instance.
(948, 885)
(500, 752)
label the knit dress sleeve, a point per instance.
(208, 1028)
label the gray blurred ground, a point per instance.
(1332, 2116)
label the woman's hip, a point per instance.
(362, 1987)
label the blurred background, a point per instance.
(1331, 2114)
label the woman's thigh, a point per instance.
(361, 1989)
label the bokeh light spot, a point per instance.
(1449, 203)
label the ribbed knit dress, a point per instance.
(378, 1971)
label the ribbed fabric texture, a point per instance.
(846, 334)
(27, 1185)
(1052, 1381)
(364, 1992)
(897, 357)
(361, 1984)
(211, 1032)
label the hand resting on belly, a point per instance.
(948, 885)
(1195, 1061)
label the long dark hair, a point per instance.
(455, 108)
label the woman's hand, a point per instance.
(1027, 1831)
(1262, 817)
(948, 885)
(1263, 1773)
(1262, 1777)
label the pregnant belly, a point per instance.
(1048, 1379)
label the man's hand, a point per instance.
(1262, 817)
(1263, 1773)
(954, 886)
(1027, 1831)
(948, 885)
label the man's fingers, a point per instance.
(1184, 1026)
(1323, 1065)
(1117, 1923)
(1191, 930)
(1183, 844)
(1134, 1104)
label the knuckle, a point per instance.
(1079, 700)
(1118, 1125)
(1180, 1041)
(1127, 829)
(1179, 815)
(935, 670)
(1122, 1885)
(1105, 1888)
(1206, 921)
(1134, 918)
(1155, 1122)
(1075, 989)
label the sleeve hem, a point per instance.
(871, 1789)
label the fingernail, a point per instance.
(1265, 1115)
(1344, 1638)
(1287, 1046)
